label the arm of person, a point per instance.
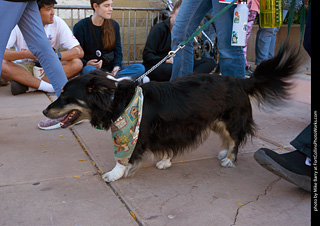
(21, 49)
(70, 54)
(118, 57)
(68, 41)
(79, 33)
(12, 55)
(156, 39)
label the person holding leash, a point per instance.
(192, 12)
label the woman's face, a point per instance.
(104, 10)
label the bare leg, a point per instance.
(14, 72)
(71, 68)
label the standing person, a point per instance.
(294, 166)
(266, 41)
(18, 66)
(254, 10)
(26, 15)
(99, 36)
(158, 46)
(191, 13)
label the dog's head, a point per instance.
(87, 96)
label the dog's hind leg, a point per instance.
(231, 156)
(227, 155)
(165, 162)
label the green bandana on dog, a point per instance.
(125, 130)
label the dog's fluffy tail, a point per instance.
(269, 84)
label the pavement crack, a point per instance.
(269, 188)
(109, 184)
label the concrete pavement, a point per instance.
(53, 177)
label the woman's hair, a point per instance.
(177, 5)
(108, 34)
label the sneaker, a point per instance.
(290, 166)
(146, 79)
(3, 82)
(17, 88)
(248, 72)
(48, 124)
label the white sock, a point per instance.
(47, 87)
(30, 89)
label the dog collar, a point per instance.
(125, 130)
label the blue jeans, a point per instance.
(27, 16)
(132, 70)
(303, 141)
(266, 41)
(190, 15)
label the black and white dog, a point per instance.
(178, 115)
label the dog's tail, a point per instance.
(269, 83)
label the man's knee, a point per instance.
(6, 66)
(72, 67)
(77, 65)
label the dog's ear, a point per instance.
(101, 85)
(100, 92)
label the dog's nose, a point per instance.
(45, 111)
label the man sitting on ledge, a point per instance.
(20, 67)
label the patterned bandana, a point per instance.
(125, 130)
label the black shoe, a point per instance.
(290, 166)
(17, 88)
(3, 82)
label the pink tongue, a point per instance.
(66, 121)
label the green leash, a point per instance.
(290, 20)
(207, 24)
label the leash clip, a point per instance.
(173, 53)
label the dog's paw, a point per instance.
(129, 171)
(115, 174)
(222, 154)
(226, 162)
(164, 164)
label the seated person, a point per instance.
(99, 36)
(158, 46)
(59, 35)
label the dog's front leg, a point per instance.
(115, 174)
